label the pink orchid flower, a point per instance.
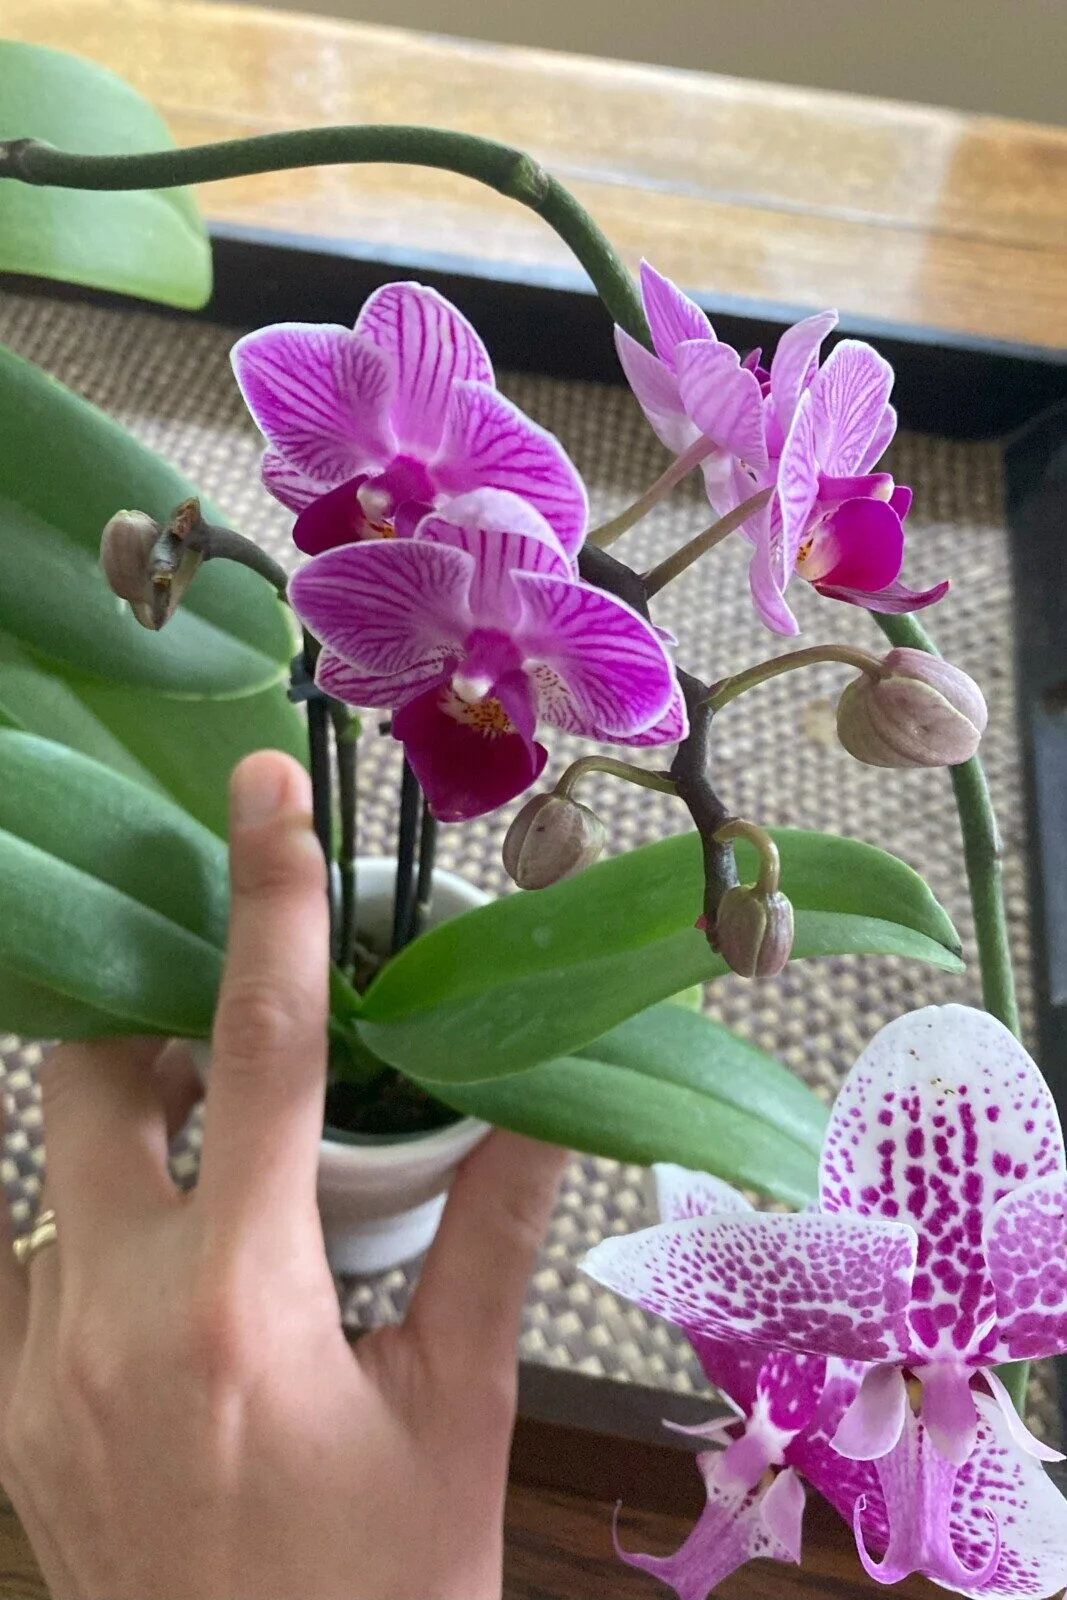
(811, 434)
(997, 1526)
(936, 1250)
(370, 428)
(472, 631)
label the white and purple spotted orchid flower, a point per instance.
(996, 1526)
(936, 1250)
(472, 631)
(370, 428)
(811, 434)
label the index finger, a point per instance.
(264, 1106)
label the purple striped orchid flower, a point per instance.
(936, 1250)
(811, 433)
(370, 428)
(474, 630)
(997, 1526)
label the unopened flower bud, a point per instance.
(125, 547)
(147, 565)
(553, 837)
(754, 931)
(923, 712)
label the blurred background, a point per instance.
(1006, 57)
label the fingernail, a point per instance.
(263, 787)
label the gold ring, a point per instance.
(43, 1232)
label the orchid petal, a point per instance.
(671, 727)
(948, 1410)
(788, 1392)
(716, 1429)
(874, 1421)
(386, 605)
(942, 1114)
(355, 688)
(833, 492)
(490, 443)
(672, 316)
(655, 388)
(287, 483)
(464, 771)
(503, 535)
(613, 670)
(1025, 1240)
(333, 519)
(813, 1284)
(880, 441)
(731, 1368)
(430, 345)
(798, 489)
(894, 598)
(849, 396)
(900, 500)
(723, 399)
(860, 547)
(320, 396)
(1021, 1436)
(733, 1528)
(796, 362)
(782, 1509)
(767, 594)
(1028, 1507)
(679, 1193)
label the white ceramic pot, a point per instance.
(381, 1198)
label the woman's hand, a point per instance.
(181, 1417)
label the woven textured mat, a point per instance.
(777, 759)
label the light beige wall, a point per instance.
(1002, 56)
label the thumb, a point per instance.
(468, 1303)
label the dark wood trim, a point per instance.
(552, 323)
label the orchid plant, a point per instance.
(447, 580)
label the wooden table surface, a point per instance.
(558, 1547)
(895, 213)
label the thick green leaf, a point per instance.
(65, 469)
(668, 1085)
(112, 899)
(536, 976)
(184, 748)
(190, 747)
(39, 701)
(38, 1012)
(147, 243)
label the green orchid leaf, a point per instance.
(65, 469)
(190, 747)
(668, 1085)
(147, 243)
(536, 976)
(183, 748)
(113, 901)
(38, 701)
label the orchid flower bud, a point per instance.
(552, 838)
(754, 930)
(921, 712)
(147, 565)
(125, 546)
